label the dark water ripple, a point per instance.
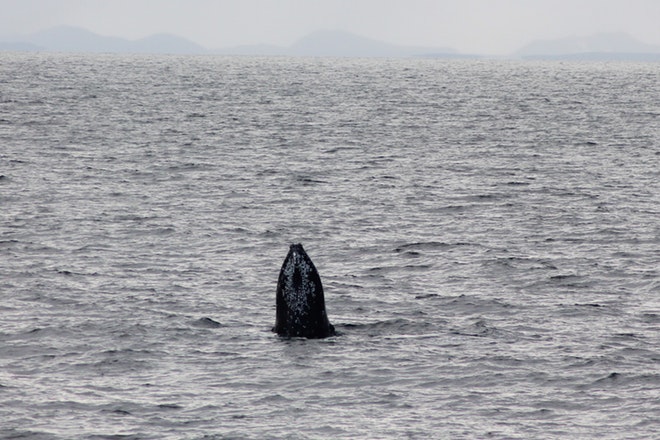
(487, 233)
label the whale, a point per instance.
(299, 299)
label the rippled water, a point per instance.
(488, 235)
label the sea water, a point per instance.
(487, 232)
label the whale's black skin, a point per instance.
(299, 300)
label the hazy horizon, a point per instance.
(469, 26)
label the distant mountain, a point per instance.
(596, 47)
(321, 43)
(20, 47)
(336, 44)
(74, 39)
(167, 43)
(610, 46)
(327, 43)
(345, 44)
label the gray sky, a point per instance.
(475, 26)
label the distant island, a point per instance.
(75, 39)
(320, 43)
(604, 46)
(326, 43)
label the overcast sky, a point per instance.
(475, 26)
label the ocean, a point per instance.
(487, 233)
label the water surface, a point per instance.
(487, 234)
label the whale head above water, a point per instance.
(300, 302)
